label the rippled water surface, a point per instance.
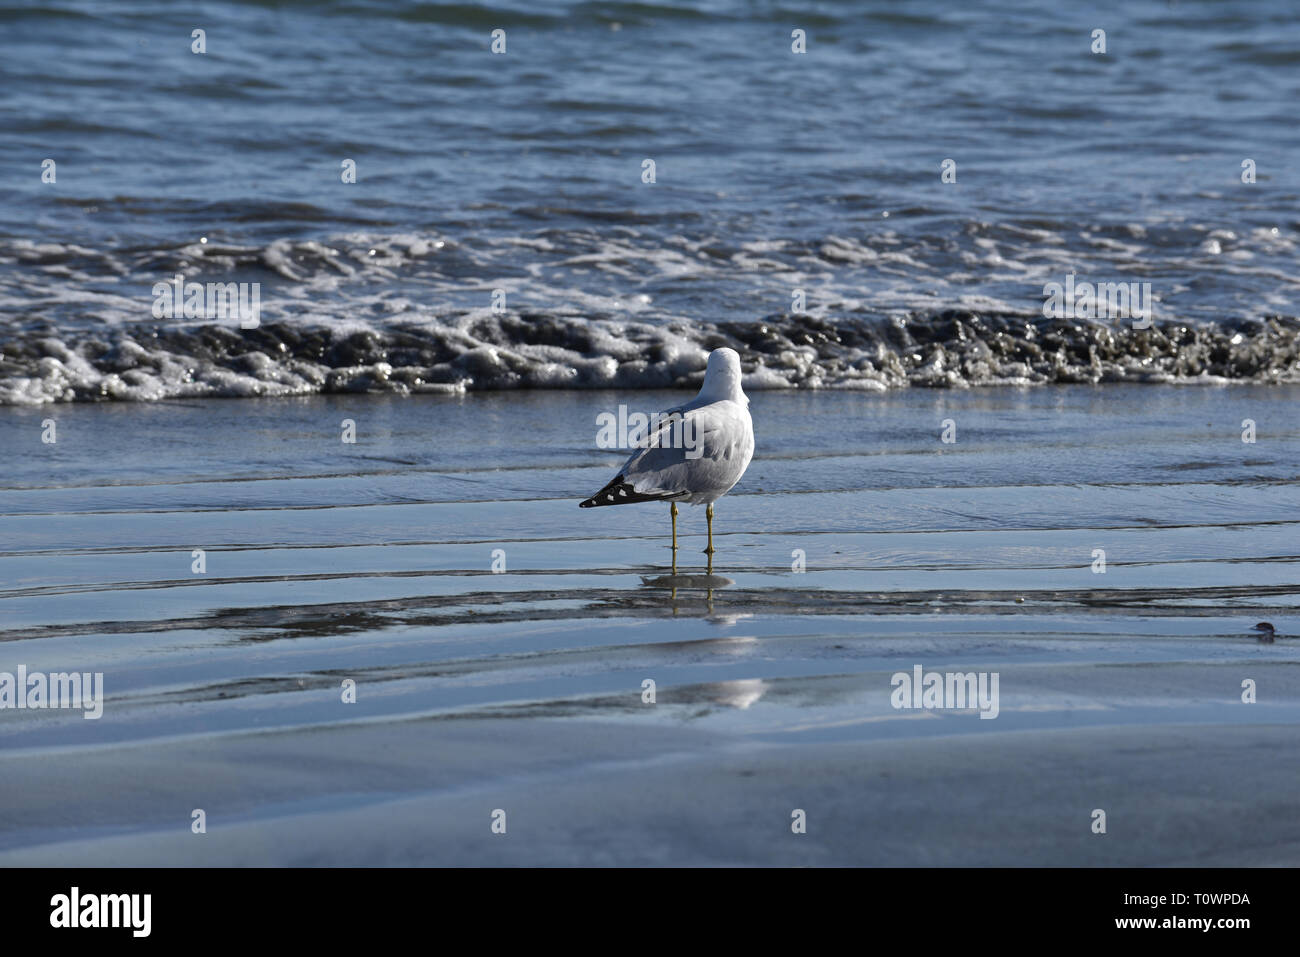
(775, 174)
(374, 562)
(179, 509)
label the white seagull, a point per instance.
(693, 453)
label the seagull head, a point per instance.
(722, 377)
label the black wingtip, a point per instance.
(619, 492)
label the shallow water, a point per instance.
(498, 276)
(373, 562)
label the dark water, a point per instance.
(522, 172)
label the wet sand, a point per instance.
(522, 691)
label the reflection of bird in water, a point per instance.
(1266, 632)
(714, 436)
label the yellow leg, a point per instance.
(708, 512)
(673, 508)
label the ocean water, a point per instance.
(181, 511)
(499, 233)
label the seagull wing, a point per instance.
(698, 454)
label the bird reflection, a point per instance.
(689, 584)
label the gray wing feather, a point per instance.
(669, 470)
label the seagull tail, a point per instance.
(619, 492)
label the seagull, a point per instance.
(692, 453)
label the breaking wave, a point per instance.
(950, 349)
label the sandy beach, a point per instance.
(522, 690)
